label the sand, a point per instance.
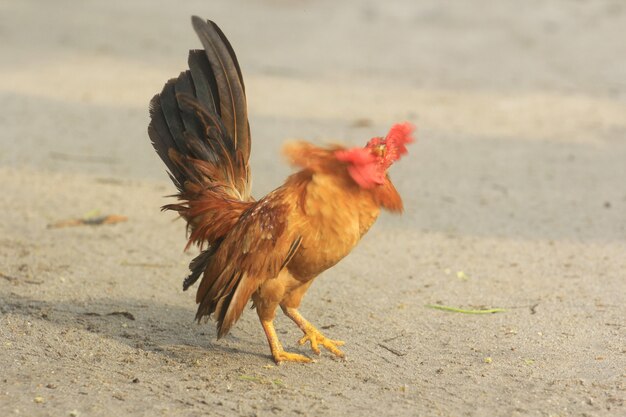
(514, 195)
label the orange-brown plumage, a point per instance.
(268, 251)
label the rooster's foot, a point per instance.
(278, 353)
(311, 334)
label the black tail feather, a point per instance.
(162, 140)
(231, 52)
(198, 265)
(204, 81)
(184, 86)
(231, 91)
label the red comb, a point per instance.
(395, 143)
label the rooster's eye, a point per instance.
(380, 150)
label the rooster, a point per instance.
(268, 250)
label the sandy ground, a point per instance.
(518, 181)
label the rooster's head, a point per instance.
(368, 166)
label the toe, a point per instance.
(291, 357)
(334, 350)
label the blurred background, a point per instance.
(516, 98)
(86, 70)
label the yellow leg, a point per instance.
(311, 334)
(277, 349)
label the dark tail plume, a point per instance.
(199, 123)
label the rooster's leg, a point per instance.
(277, 349)
(311, 334)
(266, 302)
